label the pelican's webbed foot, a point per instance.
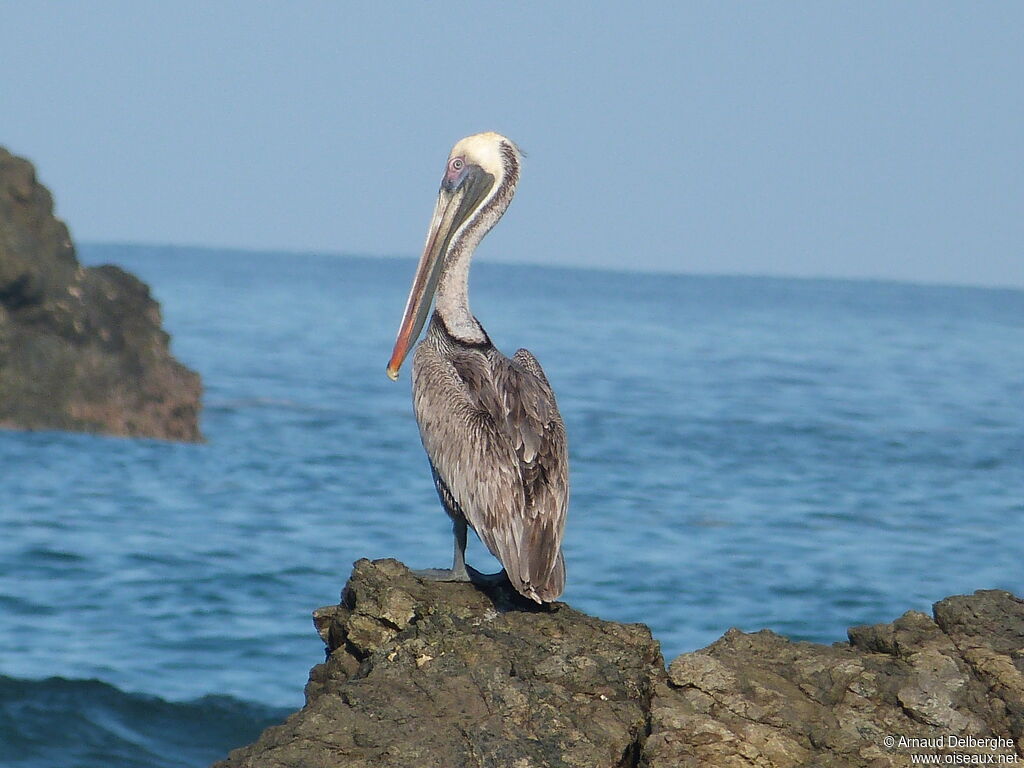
(460, 572)
(486, 579)
(465, 574)
(441, 574)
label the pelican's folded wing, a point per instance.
(492, 431)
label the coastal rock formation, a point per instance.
(427, 674)
(948, 685)
(80, 348)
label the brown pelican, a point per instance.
(489, 424)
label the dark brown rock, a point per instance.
(426, 674)
(80, 348)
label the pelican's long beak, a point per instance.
(456, 201)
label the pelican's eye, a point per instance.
(453, 173)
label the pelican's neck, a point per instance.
(452, 297)
(452, 302)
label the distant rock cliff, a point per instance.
(425, 674)
(80, 348)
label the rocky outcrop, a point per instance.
(427, 674)
(80, 348)
(947, 685)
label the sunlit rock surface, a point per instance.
(424, 674)
(760, 699)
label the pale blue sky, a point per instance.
(815, 139)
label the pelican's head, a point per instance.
(479, 180)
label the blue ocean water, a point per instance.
(802, 455)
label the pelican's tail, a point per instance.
(549, 590)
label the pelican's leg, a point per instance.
(458, 570)
(459, 528)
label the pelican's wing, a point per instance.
(536, 428)
(494, 436)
